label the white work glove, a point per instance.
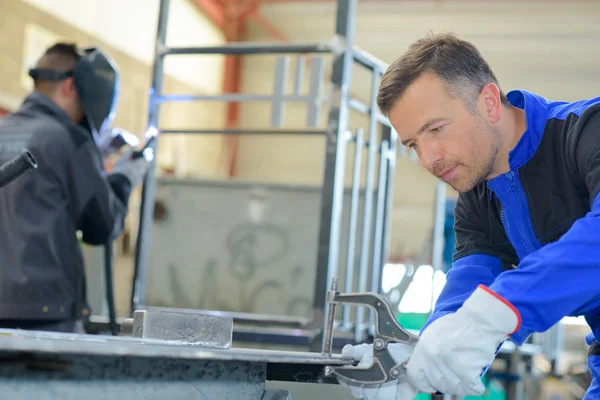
(453, 351)
(399, 389)
(134, 170)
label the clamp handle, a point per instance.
(383, 367)
(387, 329)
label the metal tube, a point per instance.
(240, 48)
(231, 97)
(352, 226)
(368, 212)
(315, 91)
(389, 189)
(361, 107)
(379, 214)
(368, 60)
(16, 167)
(279, 88)
(437, 246)
(335, 148)
(299, 75)
(328, 332)
(437, 251)
(142, 249)
(268, 131)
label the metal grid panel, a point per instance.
(381, 144)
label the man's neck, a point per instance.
(512, 125)
(60, 104)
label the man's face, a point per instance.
(70, 100)
(452, 143)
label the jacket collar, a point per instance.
(39, 102)
(536, 114)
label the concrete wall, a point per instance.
(128, 36)
(26, 30)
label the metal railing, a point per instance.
(369, 236)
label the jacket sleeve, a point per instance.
(99, 201)
(475, 261)
(561, 278)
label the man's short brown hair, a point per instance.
(456, 61)
(60, 57)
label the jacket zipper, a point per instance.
(527, 235)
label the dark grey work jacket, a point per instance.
(41, 262)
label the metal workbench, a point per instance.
(44, 365)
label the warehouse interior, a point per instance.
(274, 175)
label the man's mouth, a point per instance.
(447, 174)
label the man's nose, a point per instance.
(429, 155)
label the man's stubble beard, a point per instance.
(481, 164)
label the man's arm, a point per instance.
(561, 278)
(463, 278)
(100, 201)
(475, 261)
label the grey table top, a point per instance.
(66, 343)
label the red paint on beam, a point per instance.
(232, 82)
(214, 10)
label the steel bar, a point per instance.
(287, 337)
(328, 331)
(315, 91)
(368, 212)
(439, 216)
(200, 329)
(299, 74)
(352, 224)
(361, 107)
(379, 225)
(255, 333)
(142, 250)
(241, 48)
(69, 343)
(369, 61)
(266, 131)
(390, 135)
(437, 243)
(280, 79)
(333, 177)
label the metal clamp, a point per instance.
(386, 330)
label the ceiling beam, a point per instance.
(214, 10)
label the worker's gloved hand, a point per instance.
(399, 389)
(454, 350)
(134, 169)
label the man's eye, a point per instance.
(436, 130)
(413, 145)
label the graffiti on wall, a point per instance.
(256, 270)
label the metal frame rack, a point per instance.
(378, 190)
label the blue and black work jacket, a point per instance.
(532, 234)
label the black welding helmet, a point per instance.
(98, 84)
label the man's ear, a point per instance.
(492, 101)
(68, 88)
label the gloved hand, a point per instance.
(399, 389)
(112, 140)
(133, 169)
(452, 352)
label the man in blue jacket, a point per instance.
(527, 220)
